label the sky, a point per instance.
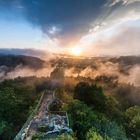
(97, 27)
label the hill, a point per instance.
(12, 61)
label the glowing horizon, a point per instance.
(115, 30)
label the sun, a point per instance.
(75, 51)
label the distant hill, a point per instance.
(127, 60)
(12, 61)
(25, 52)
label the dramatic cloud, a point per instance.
(66, 20)
(124, 42)
(69, 22)
(63, 18)
(123, 2)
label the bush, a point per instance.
(91, 95)
(92, 135)
(132, 115)
(84, 118)
(56, 105)
(43, 128)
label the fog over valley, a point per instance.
(69, 69)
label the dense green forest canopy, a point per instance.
(92, 114)
(99, 108)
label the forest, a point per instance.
(69, 70)
(99, 108)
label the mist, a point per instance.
(123, 73)
(21, 71)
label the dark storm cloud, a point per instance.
(59, 18)
(67, 21)
(69, 15)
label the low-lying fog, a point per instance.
(92, 68)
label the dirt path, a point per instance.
(47, 99)
(44, 105)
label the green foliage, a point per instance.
(84, 118)
(2, 126)
(92, 135)
(62, 95)
(9, 104)
(133, 122)
(56, 105)
(128, 95)
(92, 116)
(61, 137)
(105, 127)
(91, 95)
(113, 110)
(43, 128)
(16, 101)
